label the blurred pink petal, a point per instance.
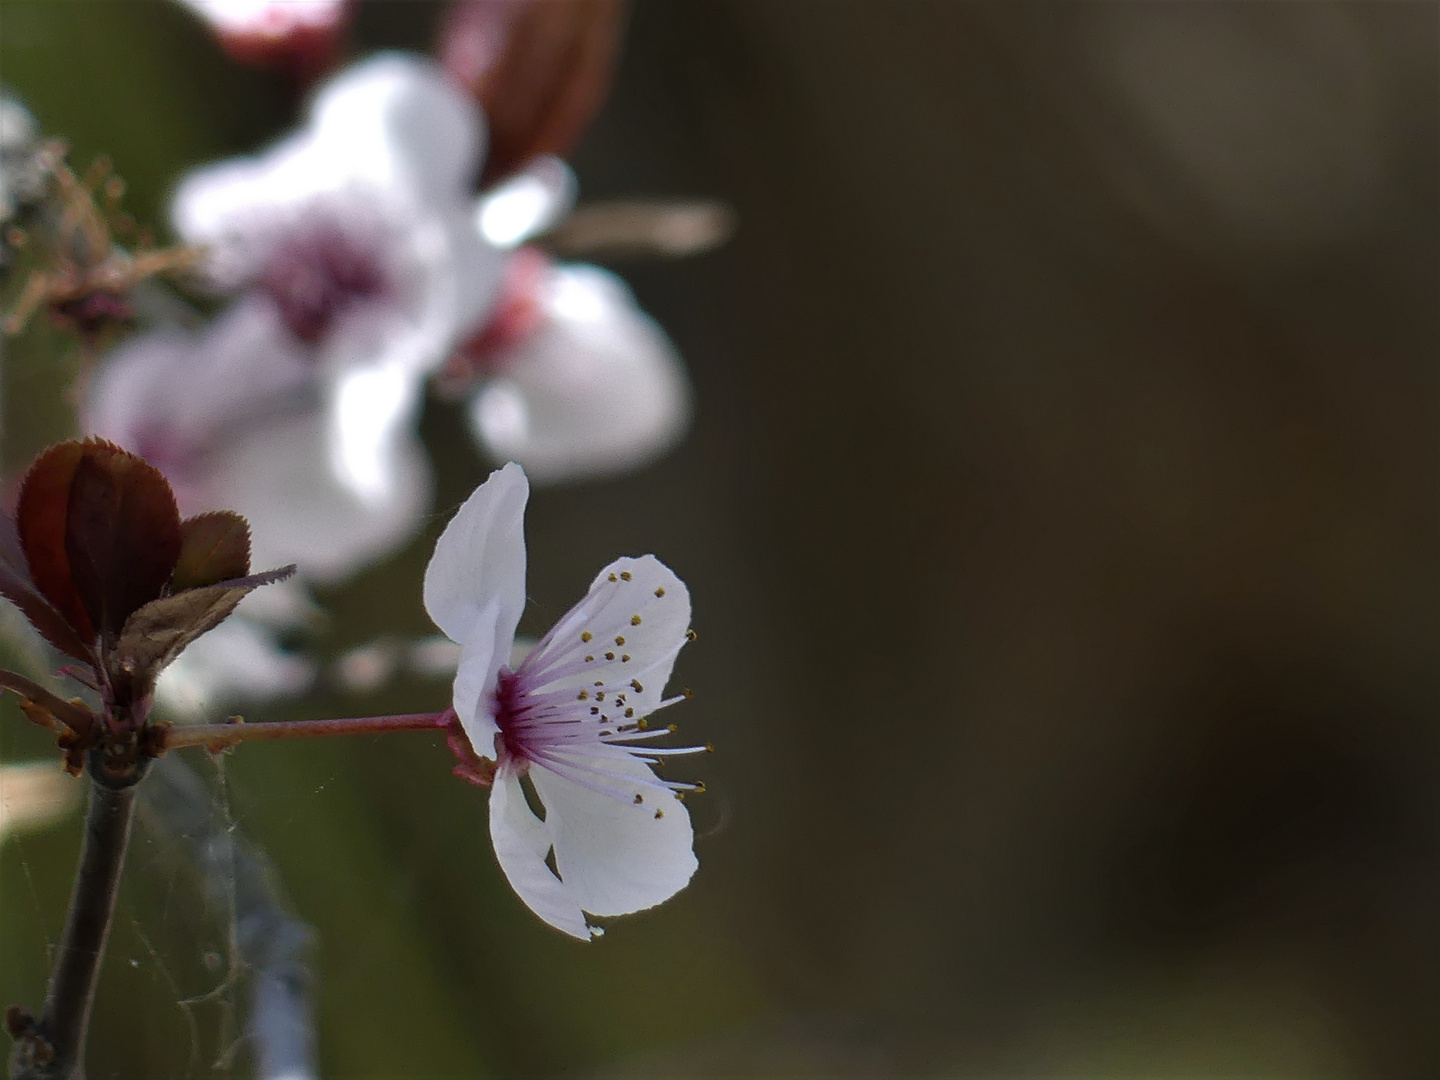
(595, 388)
(299, 36)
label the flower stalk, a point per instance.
(217, 737)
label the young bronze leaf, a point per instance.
(213, 548)
(17, 587)
(156, 633)
(40, 520)
(122, 534)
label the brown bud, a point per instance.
(540, 69)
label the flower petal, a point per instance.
(596, 389)
(631, 625)
(521, 844)
(479, 560)
(481, 657)
(526, 204)
(402, 115)
(169, 395)
(616, 857)
(281, 478)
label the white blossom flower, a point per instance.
(329, 472)
(359, 227)
(588, 386)
(569, 722)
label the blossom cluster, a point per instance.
(358, 268)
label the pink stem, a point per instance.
(218, 736)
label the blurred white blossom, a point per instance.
(359, 227)
(569, 720)
(329, 473)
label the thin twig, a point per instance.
(270, 942)
(217, 737)
(54, 1049)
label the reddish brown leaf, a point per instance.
(122, 533)
(213, 547)
(17, 587)
(540, 69)
(40, 519)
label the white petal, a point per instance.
(479, 559)
(267, 18)
(616, 857)
(527, 203)
(443, 280)
(368, 406)
(171, 394)
(482, 654)
(633, 634)
(281, 478)
(596, 389)
(398, 115)
(233, 207)
(521, 845)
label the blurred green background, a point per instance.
(1061, 518)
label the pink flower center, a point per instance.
(521, 731)
(584, 737)
(316, 274)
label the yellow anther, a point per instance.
(635, 685)
(599, 682)
(660, 591)
(619, 641)
(629, 713)
(690, 635)
(700, 787)
(625, 658)
(687, 693)
(582, 695)
(609, 656)
(634, 620)
(642, 724)
(639, 798)
(613, 577)
(600, 695)
(672, 728)
(585, 635)
(659, 814)
(624, 575)
(589, 658)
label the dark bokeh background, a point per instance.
(1061, 517)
